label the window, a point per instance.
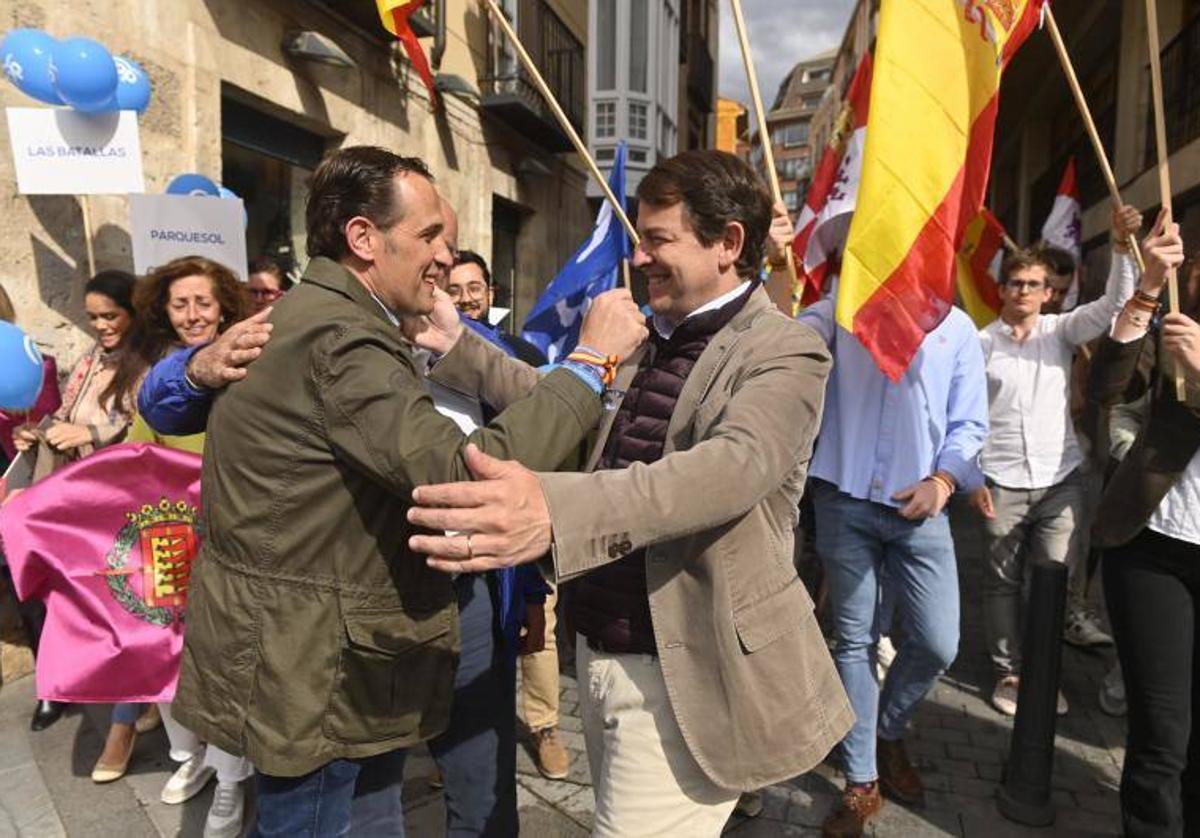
(637, 121)
(795, 134)
(606, 46)
(791, 200)
(639, 44)
(788, 168)
(606, 119)
(810, 101)
(603, 154)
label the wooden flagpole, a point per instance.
(796, 286)
(85, 204)
(563, 122)
(1009, 243)
(1164, 174)
(1084, 111)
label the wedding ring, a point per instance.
(470, 550)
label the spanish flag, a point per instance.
(928, 149)
(978, 268)
(395, 15)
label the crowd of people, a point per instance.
(396, 492)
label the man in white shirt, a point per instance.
(1033, 503)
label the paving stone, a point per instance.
(810, 809)
(944, 734)
(973, 787)
(976, 754)
(955, 767)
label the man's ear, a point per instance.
(731, 245)
(360, 239)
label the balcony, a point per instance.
(508, 93)
(1181, 92)
(700, 69)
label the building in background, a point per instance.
(651, 81)
(731, 124)
(857, 40)
(254, 94)
(789, 124)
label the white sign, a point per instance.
(58, 151)
(165, 227)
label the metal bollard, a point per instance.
(1024, 796)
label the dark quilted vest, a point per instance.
(611, 605)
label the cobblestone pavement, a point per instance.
(958, 741)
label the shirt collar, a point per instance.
(666, 328)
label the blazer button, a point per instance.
(624, 547)
(614, 550)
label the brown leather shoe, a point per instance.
(897, 778)
(860, 804)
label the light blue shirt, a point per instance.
(879, 437)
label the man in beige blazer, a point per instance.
(702, 671)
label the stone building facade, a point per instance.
(232, 102)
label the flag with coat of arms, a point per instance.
(553, 324)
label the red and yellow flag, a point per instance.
(395, 15)
(978, 267)
(929, 145)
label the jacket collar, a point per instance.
(336, 277)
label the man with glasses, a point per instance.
(470, 287)
(1033, 502)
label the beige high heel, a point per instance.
(108, 772)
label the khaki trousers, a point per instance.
(539, 676)
(645, 779)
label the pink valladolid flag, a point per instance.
(108, 544)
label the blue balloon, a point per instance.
(192, 184)
(27, 63)
(22, 364)
(133, 85)
(84, 74)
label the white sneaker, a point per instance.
(188, 780)
(1004, 696)
(1112, 692)
(885, 653)
(225, 814)
(1083, 629)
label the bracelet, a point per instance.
(1141, 304)
(607, 364)
(187, 379)
(777, 264)
(1139, 294)
(943, 481)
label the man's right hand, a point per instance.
(225, 359)
(1162, 250)
(613, 324)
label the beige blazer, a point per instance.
(750, 679)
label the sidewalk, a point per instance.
(959, 742)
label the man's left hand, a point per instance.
(501, 518)
(925, 499)
(534, 638)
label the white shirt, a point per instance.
(1178, 515)
(666, 328)
(1031, 443)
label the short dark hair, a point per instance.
(715, 188)
(470, 257)
(350, 182)
(267, 265)
(116, 285)
(1058, 261)
(1019, 260)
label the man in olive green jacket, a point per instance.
(315, 637)
(738, 690)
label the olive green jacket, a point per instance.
(312, 632)
(749, 676)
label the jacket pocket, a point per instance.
(395, 670)
(762, 623)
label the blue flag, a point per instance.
(553, 324)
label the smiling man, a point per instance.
(702, 669)
(316, 640)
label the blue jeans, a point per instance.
(477, 754)
(859, 542)
(324, 802)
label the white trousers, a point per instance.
(645, 779)
(185, 745)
